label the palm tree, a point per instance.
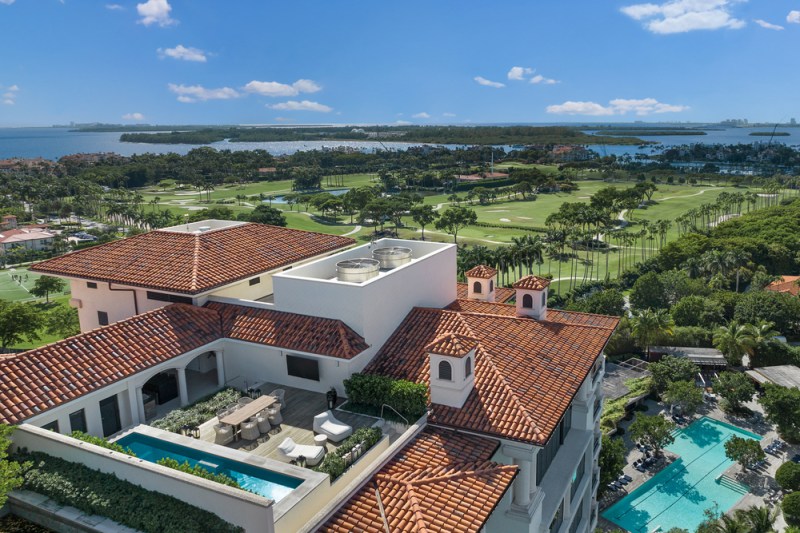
(758, 519)
(649, 325)
(738, 260)
(734, 340)
(761, 334)
(730, 524)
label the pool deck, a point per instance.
(759, 481)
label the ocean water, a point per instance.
(53, 143)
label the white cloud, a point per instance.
(519, 73)
(305, 105)
(421, 115)
(488, 83)
(14, 88)
(10, 94)
(274, 88)
(619, 106)
(183, 53)
(402, 122)
(155, 12)
(197, 93)
(680, 16)
(132, 116)
(448, 115)
(114, 7)
(539, 79)
(8, 3)
(767, 25)
(793, 17)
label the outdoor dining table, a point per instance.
(245, 412)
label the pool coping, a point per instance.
(311, 480)
(675, 432)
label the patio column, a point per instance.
(140, 405)
(184, 393)
(220, 369)
(522, 483)
(133, 400)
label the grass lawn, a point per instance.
(18, 291)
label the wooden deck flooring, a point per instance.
(298, 420)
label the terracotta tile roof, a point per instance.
(785, 284)
(441, 481)
(37, 380)
(324, 336)
(481, 271)
(193, 263)
(532, 283)
(553, 315)
(501, 294)
(452, 344)
(526, 371)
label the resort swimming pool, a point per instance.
(263, 482)
(678, 495)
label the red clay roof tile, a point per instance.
(785, 284)
(481, 271)
(501, 294)
(532, 283)
(452, 344)
(441, 481)
(193, 263)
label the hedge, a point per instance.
(407, 397)
(198, 471)
(100, 441)
(199, 412)
(103, 494)
(335, 463)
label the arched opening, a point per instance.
(491, 285)
(544, 299)
(477, 288)
(468, 367)
(527, 301)
(445, 371)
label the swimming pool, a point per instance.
(678, 495)
(272, 485)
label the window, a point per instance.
(91, 284)
(546, 455)
(302, 367)
(445, 371)
(577, 520)
(255, 281)
(477, 288)
(527, 301)
(468, 367)
(161, 297)
(491, 285)
(109, 414)
(52, 426)
(555, 524)
(544, 299)
(77, 421)
(577, 477)
(102, 318)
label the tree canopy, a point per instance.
(654, 431)
(735, 388)
(454, 219)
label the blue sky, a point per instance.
(425, 62)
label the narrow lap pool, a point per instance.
(678, 495)
(263, 482)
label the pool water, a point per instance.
(263, 482)
(678, 495)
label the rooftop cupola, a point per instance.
(452, 361)
(531, 296)
(481, 282)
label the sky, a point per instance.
(397, 62)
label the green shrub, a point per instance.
(791, 507)
(410, 398)
(788, 476)
(199, 412)
(103, 494)
(334, 463)
(198, 471)
(100, 441)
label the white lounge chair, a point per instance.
(223, 434)
(290, 450)
(327, 424)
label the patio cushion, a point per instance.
(327, 424)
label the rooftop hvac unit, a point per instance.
(357, 270)
(392, 256)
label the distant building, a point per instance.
(482, 176)
(787, 284)
(32, 239)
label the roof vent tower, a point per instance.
(452, 363)
(531, 296)
(481, 282)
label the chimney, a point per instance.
(531, 296)
(481, 282)
(452, 368)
